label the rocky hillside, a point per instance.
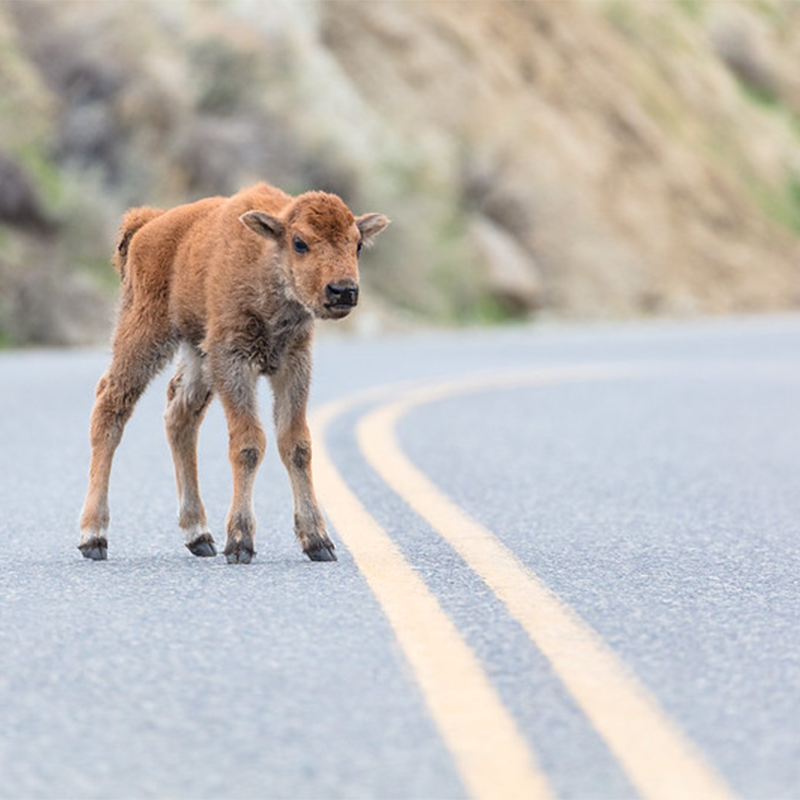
(580, 159)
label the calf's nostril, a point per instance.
(342, 294)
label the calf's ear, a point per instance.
(263, 224)
(370, 225)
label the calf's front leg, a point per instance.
(290, 387)
(236, 384)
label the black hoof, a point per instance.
(203, 546)
(238, 554)
(96, 549)
(240, 557)
(322, 552)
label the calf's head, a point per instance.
(318, 241)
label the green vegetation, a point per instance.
(783, 205)
(621, 14)
(764, 96)
(694, 9)
(45, 174)
(225, 76)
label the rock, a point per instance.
(512, 275)
(740, 41)
(19, 202)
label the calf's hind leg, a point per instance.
(188, 396)
(139, 352)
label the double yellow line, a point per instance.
(492, 755)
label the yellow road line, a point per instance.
(659, 760)
(490, 753)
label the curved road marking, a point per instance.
(659, 760)
(464, 704)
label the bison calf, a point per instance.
(236, 282)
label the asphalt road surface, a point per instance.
(569, 566)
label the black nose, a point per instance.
(342, 294)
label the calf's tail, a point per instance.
(134, 219)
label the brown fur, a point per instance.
(134, 219)
(236, 282)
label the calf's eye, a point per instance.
(360, 245)
(299, 245)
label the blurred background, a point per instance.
(571, 159)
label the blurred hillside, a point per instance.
(580, 159)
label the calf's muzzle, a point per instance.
(342, 294)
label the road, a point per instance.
(569, 566)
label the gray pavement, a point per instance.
(664, 508)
